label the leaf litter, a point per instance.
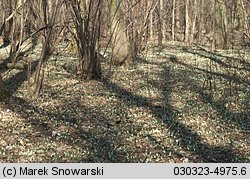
(171, 106)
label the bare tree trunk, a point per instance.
(87, 21)
(224, 23)
(151, 26)
(195, 11)
(163, 21)
(8, 10)
(245, 18)
(50, 35)
(159, 24)
(177, 18)
(39, 76)
(173, 21)
(187, 22)
(200, 23)
(213, 31)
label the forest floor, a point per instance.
(176, 104)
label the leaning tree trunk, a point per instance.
(120, 44)
(51, 32)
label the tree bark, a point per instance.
(187, 21)
(177, 18)
(87, 37)
(151, 26)
(163, 19)
(224, 23)
(195, 8)
(173, 21)
(159, 25)
(200, 22)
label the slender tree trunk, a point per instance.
(200, 23)
(187, 22)
(8, 7)
(159, 24)
(173, 21)
(177, 18)
(213, 30)
(224, 23)
(246, 22)
(50, 36)
(195, 11)
(87, 37)
(39, 76)
(151, 26)
(163, 19)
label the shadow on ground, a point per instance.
(102, 139)
(188, 139)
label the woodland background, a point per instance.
(125, 81)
